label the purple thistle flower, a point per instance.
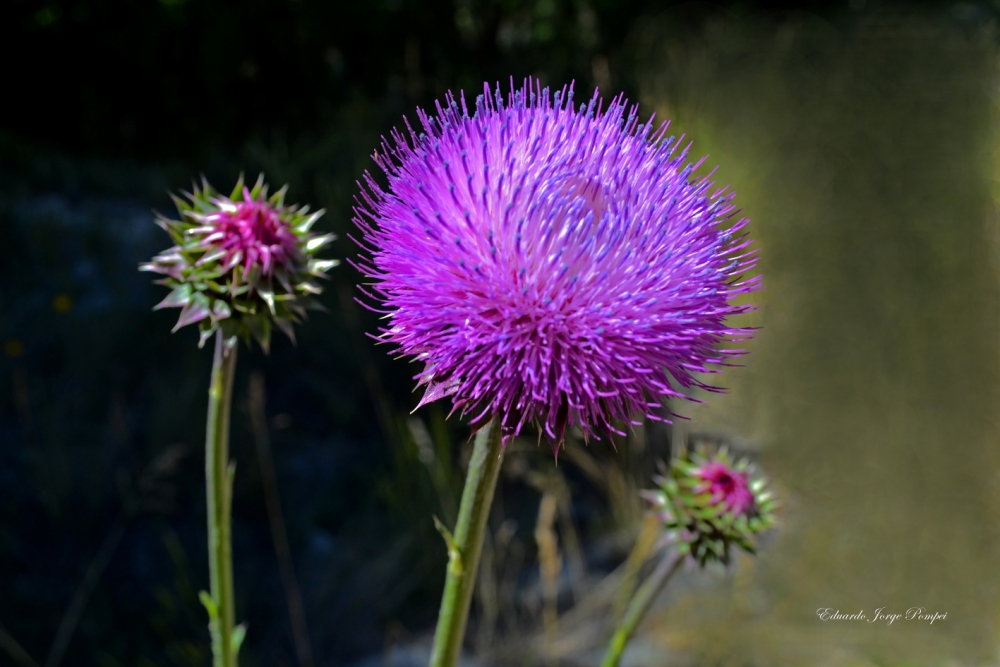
(549, 264)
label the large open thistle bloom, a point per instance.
(710, 504)
(241, 263)
(551, 264)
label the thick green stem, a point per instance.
(219, 478)
(464, 547)
(638, 607)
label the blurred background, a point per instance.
(860, 137)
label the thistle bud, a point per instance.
(242, 264)
(709, 504)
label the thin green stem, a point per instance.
(466, 544)
(218, 478)
(638, 607)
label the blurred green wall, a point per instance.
(864, 156)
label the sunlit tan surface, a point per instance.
(864, 157)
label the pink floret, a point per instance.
(727, 485)
(251, 234)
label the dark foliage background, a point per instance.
(109, 104)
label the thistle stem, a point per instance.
(466, 544)
(638, 607)
(219, 481)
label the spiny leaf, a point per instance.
(177, 298)
(194, 310)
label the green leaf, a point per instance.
(238, 188)
(314, 244)
(209, 604)
(319, 267)
(176, 299)
(208, 285)
(221, 310)
(245, 307)
(239, 634)
(232, 327)
(268, 296)
(278, 198)
(309, 288)
(212, 257)
(207, 329)
(194, 310)
(286, 327)
(259, 326)
(192, 245)
(455, 564)
(258, 187)
(252, 276)
(307, 224)
(283, 280)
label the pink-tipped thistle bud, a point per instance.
(244, 263)
(708, 504)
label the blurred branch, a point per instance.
(550, 565)
(86, 588)
(507, 555)
(486, 594)
(293, 595)
(553, 483)
(44, 475)
(436, 467)
(638, 607)
(383, 405)
(22, 401)
(14, 650)
(151, 493)
(640, 552)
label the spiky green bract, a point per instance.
(706, 519)
(244, 264)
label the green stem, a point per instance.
(464, 547)
(638, 607)
(219, 479)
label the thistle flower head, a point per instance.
(709, 504)
(551, 264)
(242, 263)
